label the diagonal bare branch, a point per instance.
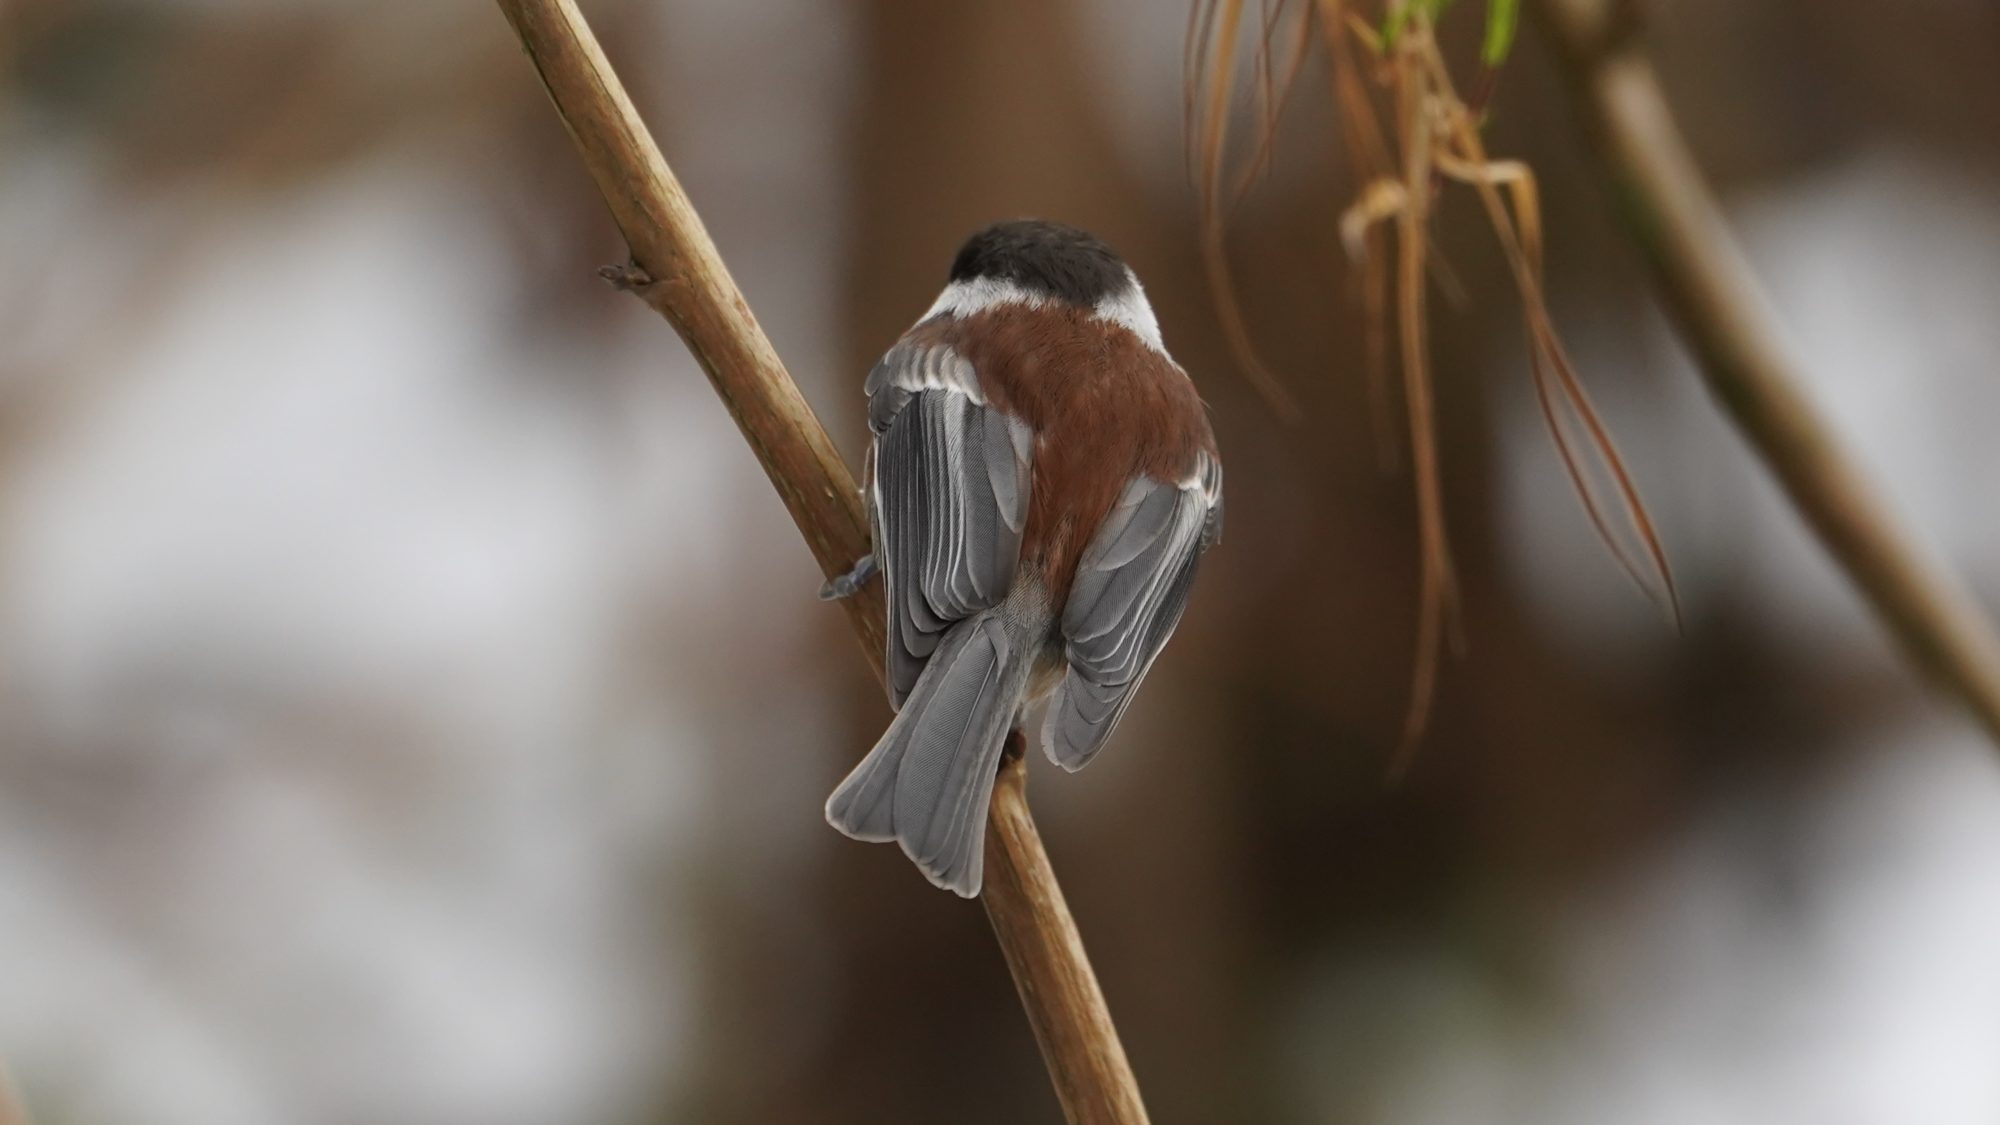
(676, 270)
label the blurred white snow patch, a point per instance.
(1788, 961)
(1882, 270)
(309, 475)
(374, 648)
(311, 605)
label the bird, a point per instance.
(1041, 483)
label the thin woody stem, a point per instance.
(1436, 592)
(676, 270)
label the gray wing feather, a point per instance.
(949, 500)
(1131, 586)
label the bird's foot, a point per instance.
(849, 584)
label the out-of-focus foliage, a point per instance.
(1503, 21)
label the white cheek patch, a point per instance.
(1127, 308)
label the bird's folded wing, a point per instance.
(949, 498)
(1131, 586)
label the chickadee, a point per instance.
(1042, 483)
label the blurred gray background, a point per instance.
(414, 708)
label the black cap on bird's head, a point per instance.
(1050, 259)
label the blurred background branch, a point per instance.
(1672, 215)
(677, 270)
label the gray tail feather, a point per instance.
(927, 782)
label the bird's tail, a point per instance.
(927, 782)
